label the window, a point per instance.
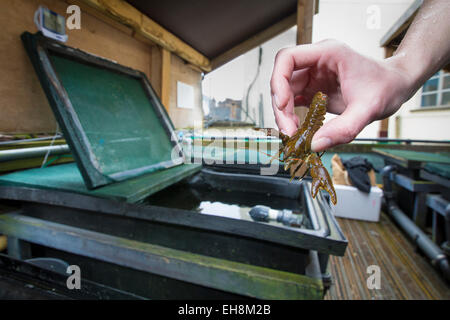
(436, 91)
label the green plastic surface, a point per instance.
(441, 157)
(121, 127)
(67, 177)
(442, 170)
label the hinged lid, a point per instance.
(110, 115)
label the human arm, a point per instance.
(360, 89)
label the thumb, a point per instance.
(342, 129)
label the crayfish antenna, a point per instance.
(276, 156)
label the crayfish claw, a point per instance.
(315, 187)
(330, 189)
(332, 194)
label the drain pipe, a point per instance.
(446, 245)
(25, 153)
(431, 250)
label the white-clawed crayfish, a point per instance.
(295, 152)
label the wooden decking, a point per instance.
(405, 273)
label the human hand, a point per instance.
(360, 89)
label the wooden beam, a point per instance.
(305, 12)
(155, 68)
(384, 128)
(143, 26)
(220, 274)
(165, 78)
(304, 19)
(447, 68)
(100, 16)
(401, 24)
(254, 41)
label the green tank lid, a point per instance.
(111, 117)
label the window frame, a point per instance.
(440, 76)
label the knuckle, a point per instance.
(281, 53)
(333, 48)
(376, 106)
(332, 43)
(328, 41)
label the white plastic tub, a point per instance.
(355, 204)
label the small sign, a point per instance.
(185, 95)
(51, 24)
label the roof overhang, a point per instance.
(204, 33)
(398, 30)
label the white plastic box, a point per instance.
(355, 204)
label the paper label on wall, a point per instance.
(185, 95)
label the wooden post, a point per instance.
(305, 13)
(165, 78)
(384, 124)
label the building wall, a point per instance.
(347, 21)
(23, 105)
(232, 80)
(350, 21)
(185, 118)
(415, 122)
(344, 20)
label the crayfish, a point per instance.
(295, 152)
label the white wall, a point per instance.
(344, 20)
(232, 79)
(355, 23)
(414, 122)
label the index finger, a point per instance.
(286, 62)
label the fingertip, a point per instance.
(281, 92)
(276, 101)
(340, 130)
(286, 123)
(279, 101)
(290, 128)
